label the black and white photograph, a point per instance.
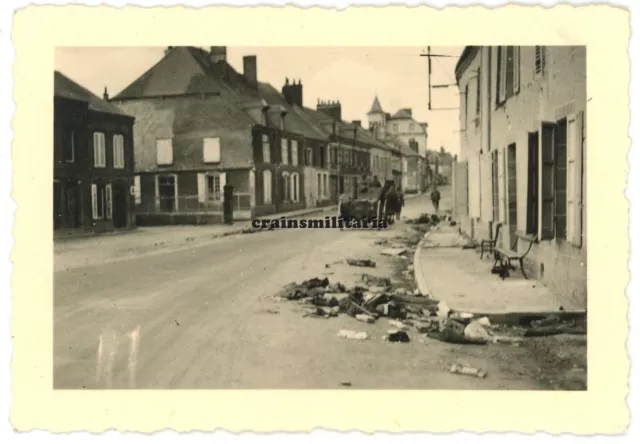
(320, 218)
(307, 219)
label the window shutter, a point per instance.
(502, 189)
(202, 188)
(137, 190)
(94, 200)
(96, 149)
(502, 85)
(284, 151)
(108, 201)
(211, 150)
(223, 182)
(574, 181)
(266, 149)
(266, 186)
(116, 157)
(294, 152)
(462, 188)
(539, 60)
(547, 185)
(164, 151)
(516, 69)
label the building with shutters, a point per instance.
(523, 156)
(92, 162)
(201, 125)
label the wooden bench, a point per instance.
(504, 256)
(487, 245)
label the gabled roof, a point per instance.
(66, 88)
(177, 73)
(188, 70)
(375, 107)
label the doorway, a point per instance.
(71, 207)
(167, 193)
(57, 207)
(120, 213)
(512, 201)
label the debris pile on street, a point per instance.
(375, 297)
(361, 263)
(556, 325)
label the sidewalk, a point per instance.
(448, 273)
(98, 249)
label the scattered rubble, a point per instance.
(397, 336)
(394, 251)
(365, 318)
(350, 334)
(361, 263)
(466, 370)
(398, 325)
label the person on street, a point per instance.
(343, 204)
(435, 198)
(400, 203)
(392, 204)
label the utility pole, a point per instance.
(429, 56)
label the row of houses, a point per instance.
(523, 156)
(164, 148)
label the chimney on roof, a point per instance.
(166, 51)
(332, 109)
(250, 69)
(357, 123)
(105, 94)
(217, 54)
(292, 93)
(408, 110)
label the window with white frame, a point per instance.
(294, 152)
(266, 149)
(101, 201)
(308, 160)
(214, 189)
(267, 194)
(284, 151)
(211, 150)
(295, 187)
(561, 178)
(508, 79)
(325, 185)
(118, 151)
(164, 151)
(99, 150)
(286, 187)
(69, 145)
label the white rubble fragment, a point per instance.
(393, 251)
(350, 334)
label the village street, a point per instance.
(204, 317)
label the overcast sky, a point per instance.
(353, 75)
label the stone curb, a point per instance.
(417, 264)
